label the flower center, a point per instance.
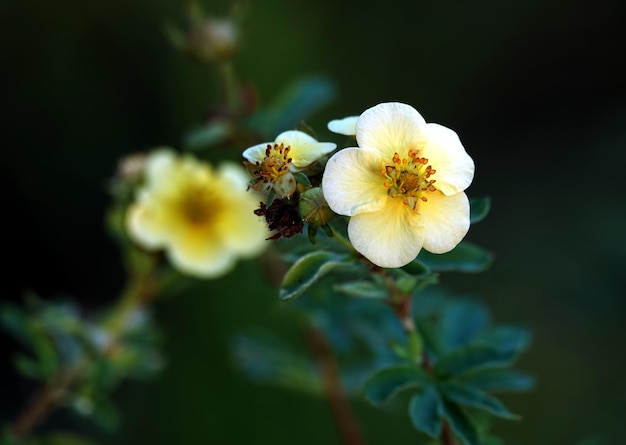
(274, 165)
(409, 178)
(199, 205)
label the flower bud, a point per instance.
(212, 40)
(314, 209)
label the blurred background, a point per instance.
(535, 89)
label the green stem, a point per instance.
(229, 85)
(343, 241)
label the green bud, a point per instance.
(314, 209)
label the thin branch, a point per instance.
(343, 416)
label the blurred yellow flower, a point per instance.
(272, 164)
(202, 217)
(403, 186)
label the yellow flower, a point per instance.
(272, 164)
(202, 217)
(403, 186)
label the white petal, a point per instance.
(346, 126)
(305, 149)
(256, 153)
(446, 221)
(352, 182)
(389, 128)
(446, 154)
(389, 237)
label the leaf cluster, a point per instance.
(82, 358)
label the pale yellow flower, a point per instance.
(403, 186)
(272, 164)
(202, 217)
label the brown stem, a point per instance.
(49, 398)
(447, 438)
(402, 309)
(343, 416)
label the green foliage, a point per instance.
(387, 382)
(266, 358)
(479, 209)
(471, 358)
(470, 396)
(293, 105)
(68, 350)
(425, 411)
(309, 269)
(465, 257)
(460, 423)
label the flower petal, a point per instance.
(352, 182)
(201, 253)
(346, 126)
(256, 153)
(446, 221)
(389, 237)
(389, 128)
(446, 154)
(305, 149)
(150, 224)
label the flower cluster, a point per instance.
(402, 185)
(202, 217)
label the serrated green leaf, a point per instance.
(465, 257)
(473, 397)
(425, 412)
(307, 270)
(362, 289)
(479, 208)
(500, 380)
(460, 424)
(387, 382)
(472, 358)
(461, 322)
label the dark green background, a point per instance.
(534, 88)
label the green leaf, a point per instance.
(465, 257)
(473, 397)
(472, 358)
(301, 178)
(460, 424)
(500, 380)
(307, 270)
(416, 267)
(208, 135)
(479, 208)
(425, 412)
(462, 321)
(387, 382)
(293, 105)
(508, 339)
(362, 289)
